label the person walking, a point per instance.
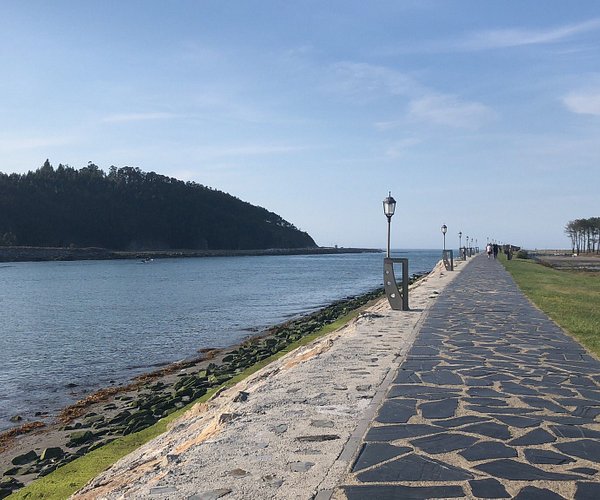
(495, 250)
(488, 249)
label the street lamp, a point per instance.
(460, 244)
(389, 207)
(444, 231)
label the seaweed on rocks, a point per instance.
(149, 398)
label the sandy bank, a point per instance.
(288, 431)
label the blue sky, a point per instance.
(481, 115)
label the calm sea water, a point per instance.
(99, 323)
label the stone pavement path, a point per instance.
(494, 400)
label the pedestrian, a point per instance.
(495, 250)
(488, 249)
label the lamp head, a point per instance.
(389, 206)
(444, 229)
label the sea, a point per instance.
(70, 328)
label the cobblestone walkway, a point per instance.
(493, 401)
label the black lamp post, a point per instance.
(389, 207)
(459, 240)
(444, 231)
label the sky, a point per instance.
(481, 115)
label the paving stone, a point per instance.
(519, 421)
(400, 431)
(407, 376)
(443, 443)
(533, 493)
(587, 449)
(441, 377)
(374, 453)
(586, 412)
(211, 495)
(519, 471)
(518, 389)
(397, 410)
(422, 392)
(587, 491)
(317, 438)
(488, 488)
(490, 429)
(485, 401)
(484, 392)
(301, 466)
(460, 421)
(567, 420)
(323, 424)
(536, 436)
(537, 456)
(383, 492)
(570, 431)
(414, 468)
(584, 470)
(543, 403)
(499, 410)
(485, 450)
(439, 409)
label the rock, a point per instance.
(211, 495)
(273, 480)
(241, 397)
(25, 458)
(301, 466)
(12, 472)
(16, 418)
(280, 429)
(317, 439)
(79, 438)
(237, 473)
(51, 454)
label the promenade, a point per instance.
(473, 393)
(493, 400)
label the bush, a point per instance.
(522, 254)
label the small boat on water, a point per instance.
(146, 261)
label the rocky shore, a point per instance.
(37, 449)
(37, 254)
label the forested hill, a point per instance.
(128, 209)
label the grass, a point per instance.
(66, 480)
(571, 298)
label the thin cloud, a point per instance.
(583, 102)
(361, 79)
(503, 38)
(450, 111)
(497, 39)
(25, 143)
(136, 117)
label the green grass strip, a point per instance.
(571, 298)
(66, 480)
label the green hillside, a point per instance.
(128, 209)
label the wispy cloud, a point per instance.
(502, 38)
(136, 117)
(498, 39)
(450, 111)
(368, 80)
(25, 143)
(583, 102)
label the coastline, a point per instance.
(117, 411)
(45, 254)
(290, 430)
